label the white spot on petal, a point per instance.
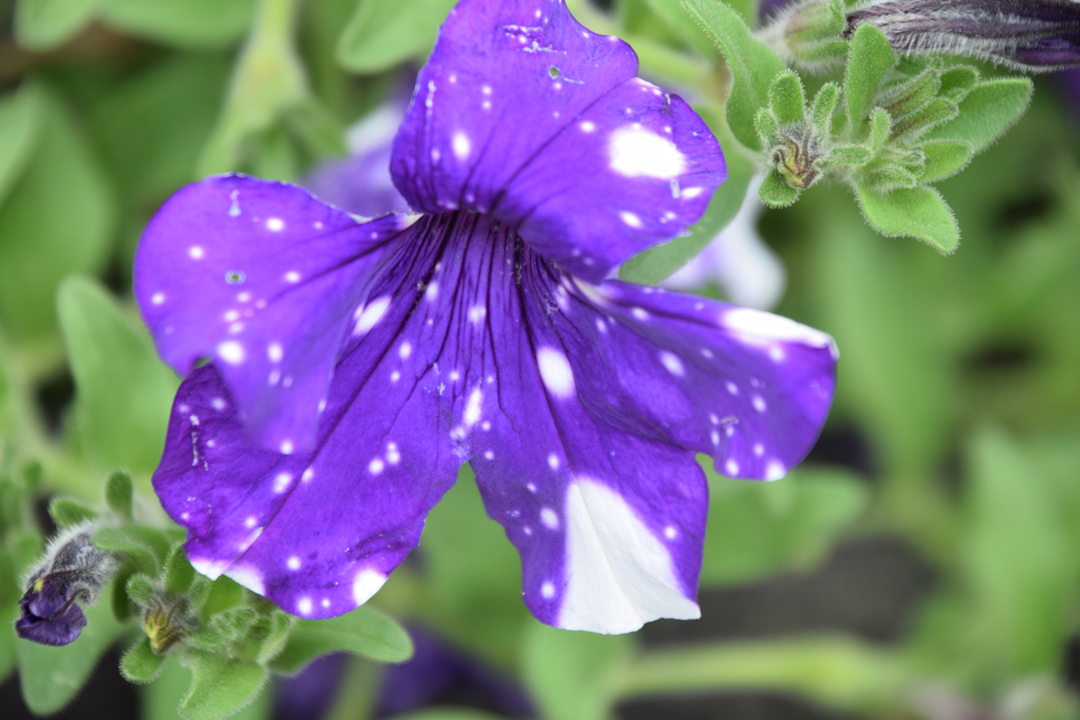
(472, 408)
(158, 298)
(556, 373)
(231, 352)
(462, 146)
(731, 467)
(765, 330)
(405, 350)
(759, 403)
(636, 152)
(196, 252)
(275, 224)
(774, 470)
(304, 606)
(376, 466)
(274, 352)
(281, 482)
(249, 577)
(630, 219)
(553, 461)
(293, 562)
(366, 583)
(550, 518)
(369, 315)
(547, 590)
(673, 364)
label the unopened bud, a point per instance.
(165, 623)
(72, 570)
(797, 152)
(808, 33)
(1028, 35)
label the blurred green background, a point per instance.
(924, 562)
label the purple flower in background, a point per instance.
(356, 365)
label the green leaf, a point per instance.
(67, 512)
(766, 125)
(1019, 554)
(140, 589)
(44, 24)
(381, 35)
(225, 594)
(849, 155)
(140, 664)
(776, 192)
(147, 546)
(676, 17)
(757, 529)
(908, 97)
(658, 263)
(118, 493)
(915, 212)
(753, 65)
(572, 675)
(449, 713)
(915, 124)
(786, 99)
(123, 391)
(160, 699)
(871, 59)
(880, 124)
(178, 571)
(51, 676)
(824, 106)
(188, 23)
(58, 219)
(944, 158)
(20, 121)
(221, 686)
(364, 631)
(957, 82)
(986, 113)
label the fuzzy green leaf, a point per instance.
(364, 631)
(753, 65)
(678, 19)
(44, 24)
(848, 155)
(67, 512)
(178, 571)
(824, 107)
(381, 34)
(786, 99)
(915, 212)
(871, 59)
(944, 158)
(140, 589)
(140, 664)
(986, 113)
(147, 546)
(880, 124)
(957, 82)
(916, 124)
(775, 191)
(221, 686)
(124, 391)
(118, 492)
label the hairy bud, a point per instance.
(72, 570)
(1027, 35)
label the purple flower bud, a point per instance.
(1027, 35)
(72, 570)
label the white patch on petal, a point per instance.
(550, 518)
(405, 350)
(774, 470)
(462, 146)
(304, 606)
(764, 330)
(472, 408)
(231, 352)
(366, 583)
(547, 590)
(274, 352)
(275, 224)
(196, 252)
(556, 373)
(619, 576)
(369, 315)
(293, 563)
(281, 482)
(158, 298)
(636, 152)
(210, 568)
(249, 577)
(673, 364)
(630, 219)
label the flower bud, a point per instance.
(1027, 35)
(72, 570)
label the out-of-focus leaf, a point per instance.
(20, 122)
(476, 604)
(58, 219)
(1022, 565)
(678, 19)
(944, 158)
(381, 35)
(118, 493)
(44, 24)
(221, 685)
(160, 699)
(450, 714)
(753, 65)
(918, 212)
(124, 393)
(756, 529)
(51, 676)
(67, 512)
(363, 631)
(141, 664)
(147, 546)
(573, 675)
(658, 263)
(986, 113)
(189, 23)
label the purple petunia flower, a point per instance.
(357, 364)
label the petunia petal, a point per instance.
(264, 279)
(523, 113)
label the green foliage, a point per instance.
(573, 675)
(20, 121)
(381, 35)
(187, 23)
(58, 219)
(871, 59)
(44, 24)
(786, 99)
(916, 212)
(363, 631)
(776, 192)
(68, 512)
(118, 494)
(146, 546)
(753, 66)
(986, 112)
(758, 529)
(141, 664)
(124, 391)
(221, 685)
